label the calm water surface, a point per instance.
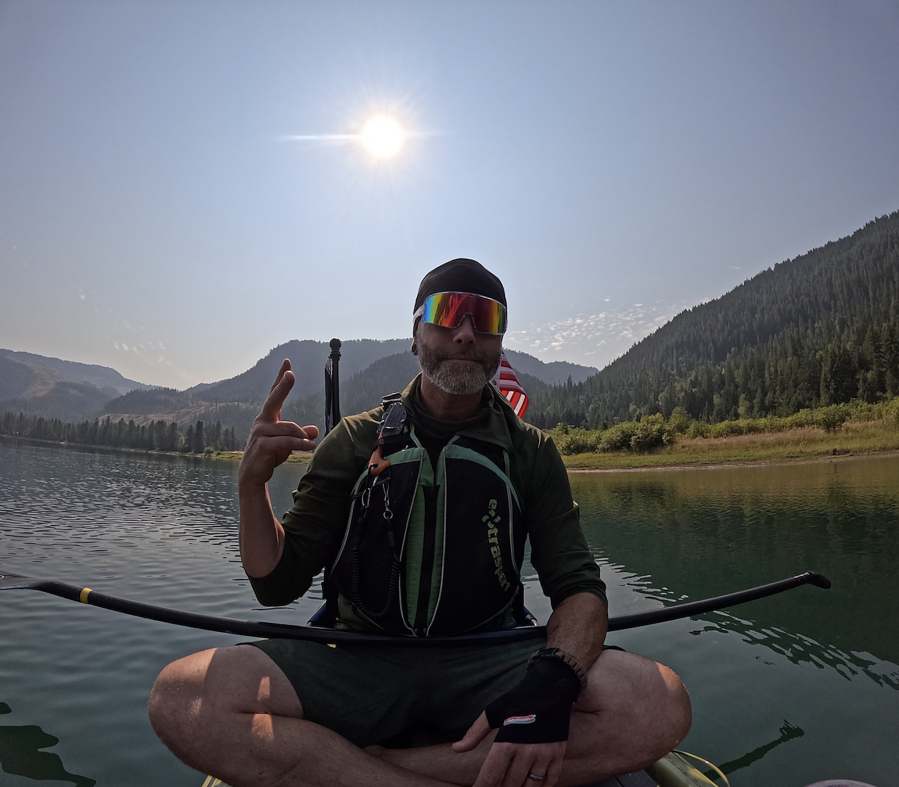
(786, 691)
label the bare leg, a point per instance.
(232, 713)
(633, 712)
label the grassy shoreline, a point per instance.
(803, 444)
(799, 445)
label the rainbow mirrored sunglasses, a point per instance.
(448, 309)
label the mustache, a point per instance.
(473, 355)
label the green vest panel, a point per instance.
(433, 550)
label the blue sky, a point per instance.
(613, 162)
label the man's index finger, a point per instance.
(271, 410)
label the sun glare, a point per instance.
(382, 136)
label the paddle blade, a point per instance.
(16, 582)
(818, 580)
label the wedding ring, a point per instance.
(535, 778)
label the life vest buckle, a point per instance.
(377, 464)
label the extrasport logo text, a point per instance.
(492, 519)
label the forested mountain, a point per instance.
(146, 402)
(820, 329)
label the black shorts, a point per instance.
(396, 695)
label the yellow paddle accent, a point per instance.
(85, 592)
(211, 781)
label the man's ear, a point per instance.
(415, 323)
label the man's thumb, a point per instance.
(476, 733)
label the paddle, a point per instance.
(251, 628)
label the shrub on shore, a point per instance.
(654, 431)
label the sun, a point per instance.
(382, 136)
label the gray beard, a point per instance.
(459, 379)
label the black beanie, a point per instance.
(461, 275)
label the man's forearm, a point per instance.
(578, 625)
(261, 536)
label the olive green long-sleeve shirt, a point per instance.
(316, 523)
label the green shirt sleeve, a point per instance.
(559, 550)
(314, 526)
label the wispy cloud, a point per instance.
(593, 339)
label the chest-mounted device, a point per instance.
(392, 433)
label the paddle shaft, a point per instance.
(250, 628)
(692, 608)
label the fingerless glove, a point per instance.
(537, 710)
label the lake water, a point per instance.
(789, 690)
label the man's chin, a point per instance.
(461, 378)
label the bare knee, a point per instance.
(175, 700)
(674, 706)
(196, 697)
(646, 703)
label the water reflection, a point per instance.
(801, 650)
(702, 533)
(786, 733)
(164, 530)
(21, 754)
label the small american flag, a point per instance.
(509, 386)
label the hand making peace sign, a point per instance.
(271, 439)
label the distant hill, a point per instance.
(361, 389)
(820, 329)
(147, 401)
(55, 388)
(308, 361)
(368, 369)
(364, 390)
(167, 404)
(552, 373)
(103, 378)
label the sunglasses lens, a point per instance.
(448, 309)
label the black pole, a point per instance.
(332, 387)
(251, 628)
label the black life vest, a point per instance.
(432, 549)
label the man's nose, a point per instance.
(465, 332)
